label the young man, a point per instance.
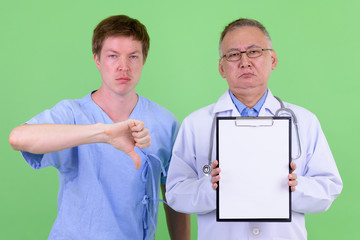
(246, 62)
(102, 195)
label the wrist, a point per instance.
(99, 133)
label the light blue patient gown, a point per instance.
(101, 195)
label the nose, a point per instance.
(123, 64)
(244, 61)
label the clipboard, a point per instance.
(254, 154)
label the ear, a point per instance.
(274, 59)
(221, 68)
(97, 61)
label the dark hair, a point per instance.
(120, 25)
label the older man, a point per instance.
(246, 62)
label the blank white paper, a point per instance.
(254, 162)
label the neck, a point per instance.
(248, 98)
(117, 107)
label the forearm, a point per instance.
(44, 138)
(319, 181)
(315, 194)
(185, 191)
(179, 224)
(194, 196)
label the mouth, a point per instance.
(123, 79)
(246, 75)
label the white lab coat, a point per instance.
(189, 190)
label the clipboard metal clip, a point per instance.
(254, 122)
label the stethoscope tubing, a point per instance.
(207, 167)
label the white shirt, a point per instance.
(189, 190)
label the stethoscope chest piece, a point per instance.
(207, 169)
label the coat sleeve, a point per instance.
(319, 181)
(188, 190)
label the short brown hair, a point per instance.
(244, 22)
(120, 25)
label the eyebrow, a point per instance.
(254, 46)
(251, 46)
(137, 51)
(113, 51)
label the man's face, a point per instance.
(247, 75)
(120, 64)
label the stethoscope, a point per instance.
(282, 109)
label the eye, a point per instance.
(254, 52)
(233, 54)
(134, 56)
(112, 56)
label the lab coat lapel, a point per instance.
(270, 106)
(225, 107)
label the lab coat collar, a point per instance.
(225, 104)
(271, 105)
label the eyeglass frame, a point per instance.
(241, 52)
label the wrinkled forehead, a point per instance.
(243, 38)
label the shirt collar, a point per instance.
(240, 106)
(225, 104)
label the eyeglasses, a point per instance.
(235, 55)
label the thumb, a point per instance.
(293, 166)
(136, 158)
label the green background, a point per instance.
(46, 57)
